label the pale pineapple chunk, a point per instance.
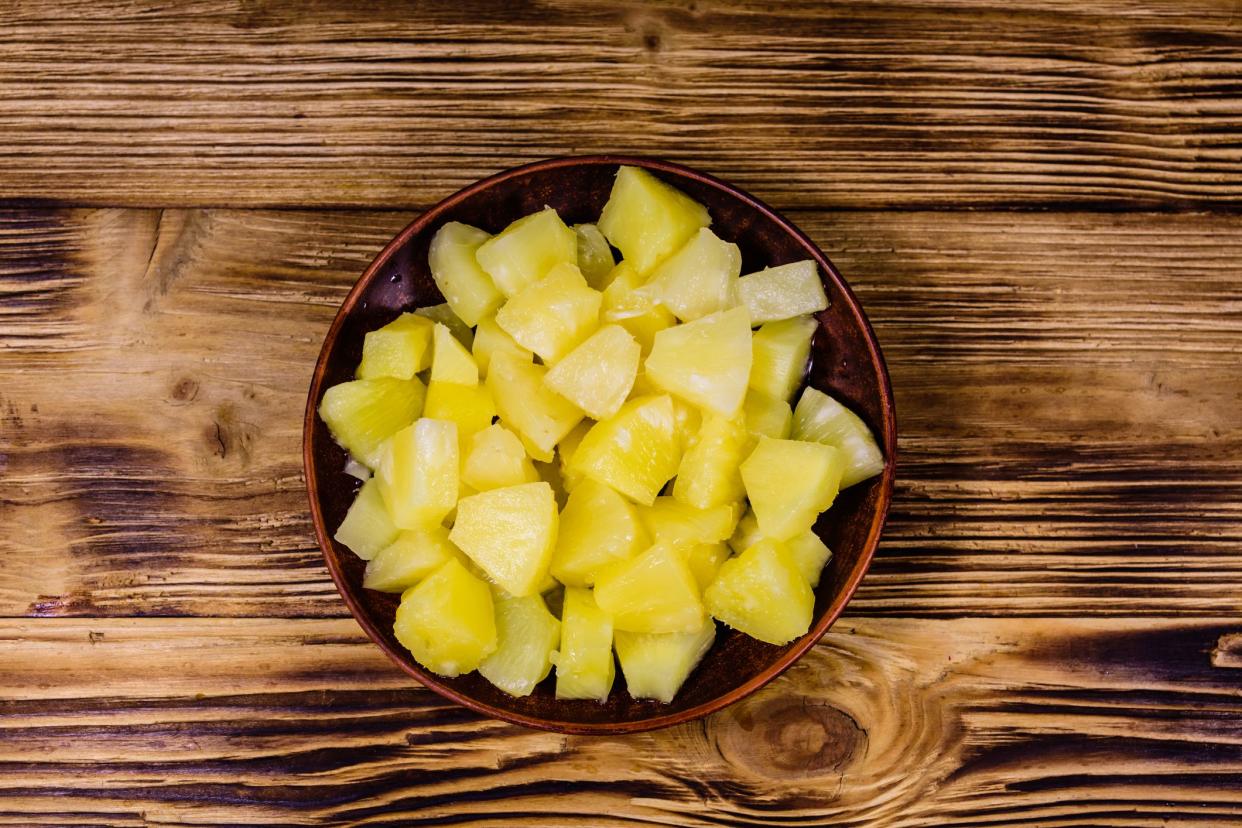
(447, 621)
(526, 250)
(746, 534)
(362, 414)
(418, 473)
(635, 452)
(705, 560)
(540, 416)
(782, 350)
(671, 522)
(597, 527)
(496, 459)
(550, 473)
(705, 362)
(700, 278)
(595, 258)
(782, 292)
(820, 418)
(400, 349)
(510, 533)
(628, 305)
(469, 406)
(767, 416)
(789, 483)
(653, 593)
(584, 664)
(367, 527)
(708, 475)
(526, 635)
(553, 315)
(443, 314)
(762, 593)
(689, 420)
(565, 451)
(450, 361)
(467, 289)
(490, 339)
(809, 553)
(657, 664)
(412, 556)
(597, 375)
(647, 219)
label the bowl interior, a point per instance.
(846, 363)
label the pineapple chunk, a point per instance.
(705, 560)
(597, 375)
(367, 528)
(594, 255)
(526, 633)
(746, 534)
(809, 553)
(467, 289)
(657, 664)
(540, 416)
(628, 305)
(489, 339)
(469, 406)
(705, 362)
(647, 220)
(584, 664)
(450, 361)
(550, 473)
(526, 250)
(653, 593)
(635, 452)
(496, 459)
(789, 483)
(552, 315)
(671, 522)
(700, 278)
(400, 349)
(708, 475)
(362, 414)
(447, 621)
(414, 555)
(822, 419)
(597, 527)
(443, 314)
(417, 473)
(565, 451)
(782, 292)
(689, 420)
(767, 415)
(509, 533)
(762, 593)
(781, 353)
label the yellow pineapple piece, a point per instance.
(781, 352)
(510, 533)
(671, 522)
(705, 560)
(654, 592)
(527, 634)
(705, 362)
(526, 250)
(450, 361)
(584, 664)
(746, 534)
(635, 452)
(627, 304)
(367, 527)
(490, 339)
(362, 414)
(689, 420)
(700, 278)
(782, 292)
(789, 483)
(594, 255)
(708, 475)
(418, 473)
(469, 406)
(447, 621)
(822, 419)
(551, 316)
(597, 375)
(539, 415)
(550, 473)
(412, 556)
(766, 416)
(657, 664)
(565, 450)
(647, 219)
(443, 314)
(597, 527)
(809, 553)
(400, 349)
(762, 593)
(467, 289)
(496, 459)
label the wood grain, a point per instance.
(1067, 387)
(1102, 103)
(888, 722)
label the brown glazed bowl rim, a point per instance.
(786, 658)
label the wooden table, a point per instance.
(1037, 203)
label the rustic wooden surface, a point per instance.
(1040, 206)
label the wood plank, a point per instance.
(896, 103)
(1067, 388)
(889, 722)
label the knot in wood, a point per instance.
(788, 737)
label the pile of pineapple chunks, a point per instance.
(564, 392)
